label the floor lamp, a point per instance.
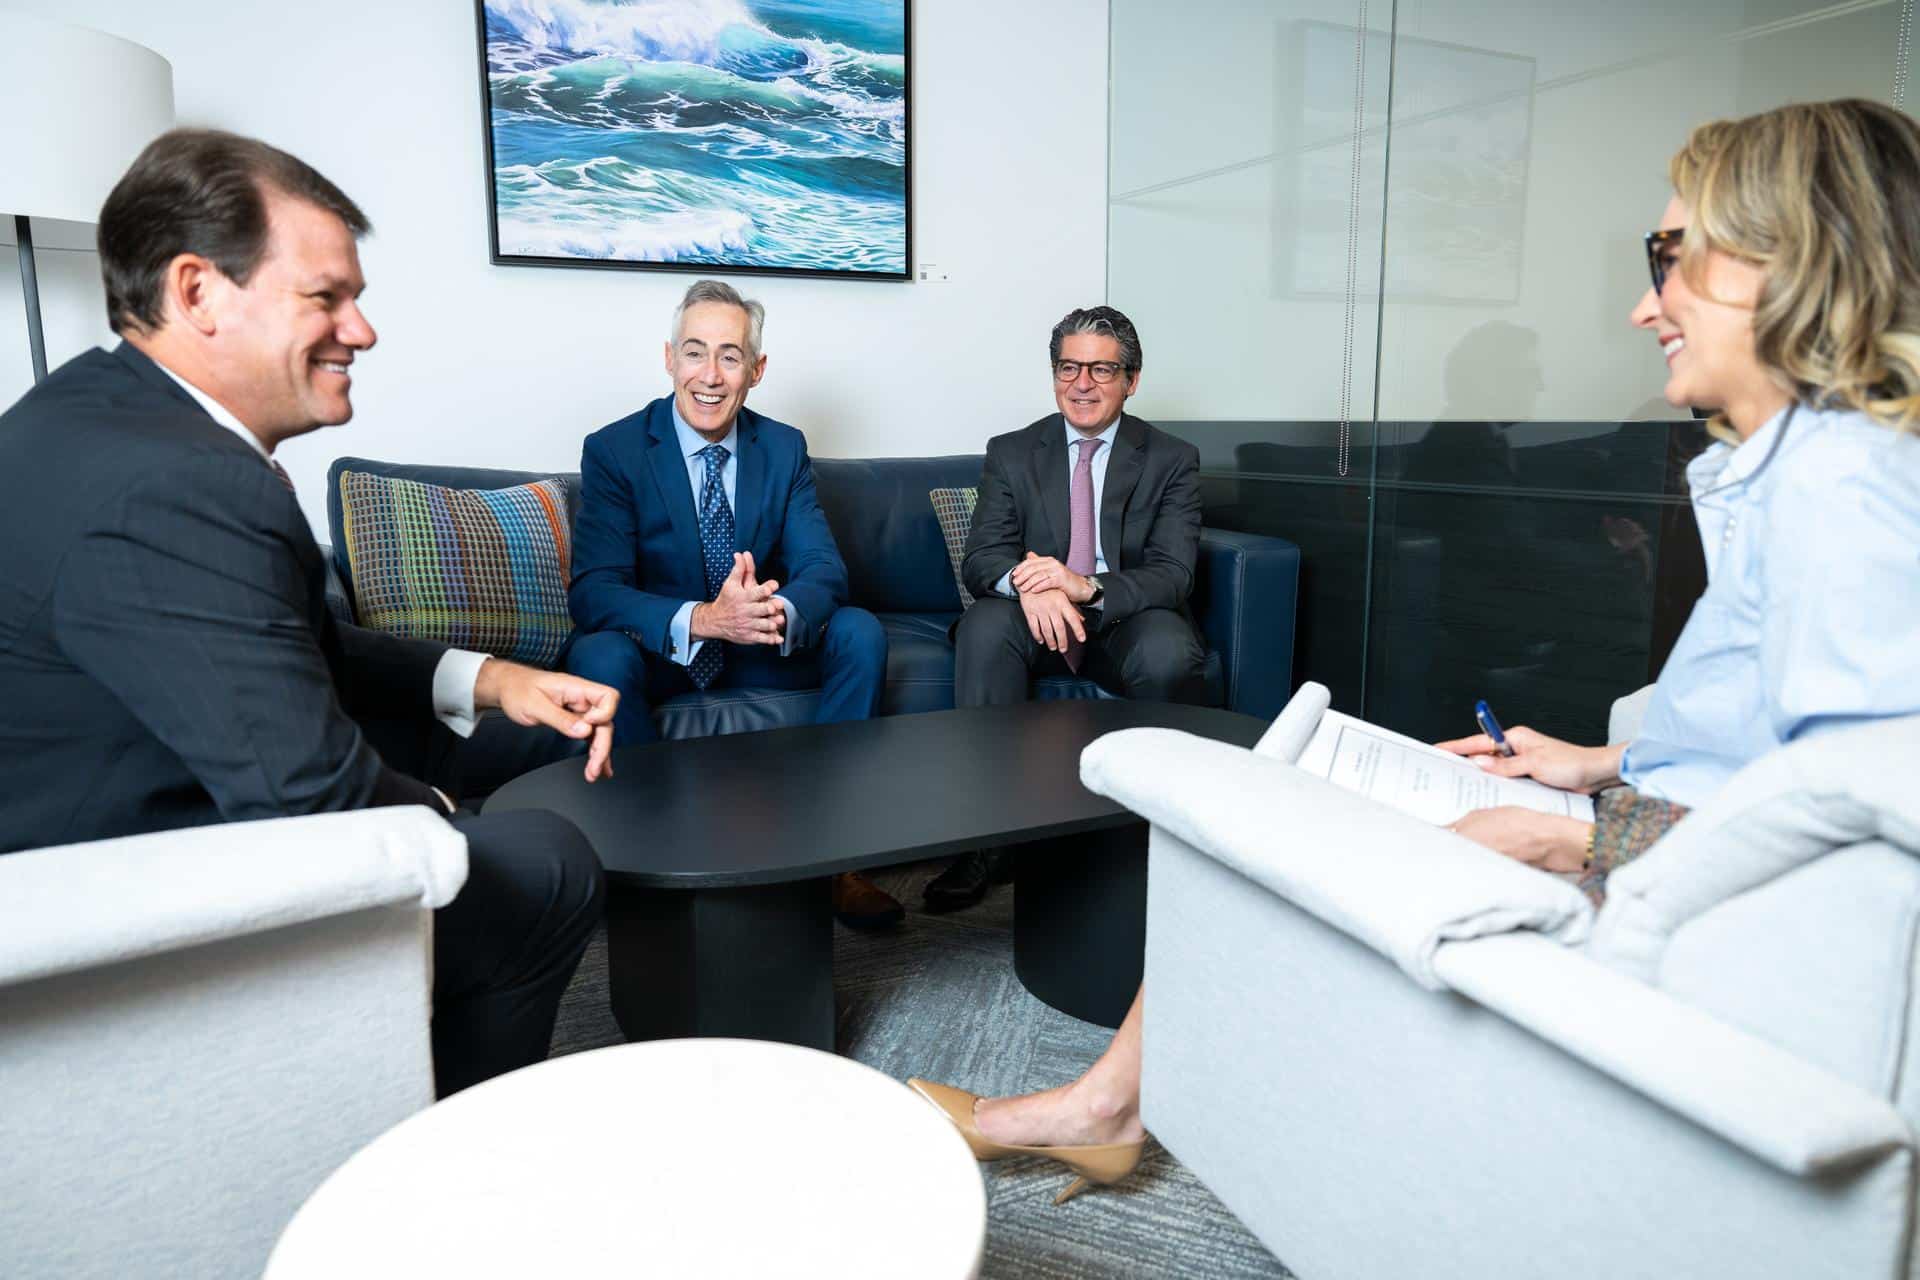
(76, 106)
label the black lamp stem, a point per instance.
(30, 286)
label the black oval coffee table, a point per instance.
(718, 853)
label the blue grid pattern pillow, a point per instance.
(480, 569)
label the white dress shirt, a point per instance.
(454, 677)
(682, 645)
(1005, 585)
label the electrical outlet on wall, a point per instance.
(928, 273)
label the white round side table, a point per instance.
(701, 1158)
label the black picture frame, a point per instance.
(497, 258)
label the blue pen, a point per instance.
(1491, 727)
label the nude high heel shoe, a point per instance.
(1101, 1164)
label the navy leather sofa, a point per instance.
(897, 567)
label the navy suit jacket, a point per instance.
(636, 546)
(167, 657)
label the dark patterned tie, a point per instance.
(281, 471)
(716, 551)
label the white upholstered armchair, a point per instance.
(196, 1027)
(1394, 1053)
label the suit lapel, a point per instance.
(749, 488)
(1051, 477)
(670, 478)
(1124, 465)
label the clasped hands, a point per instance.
(744, 612)
(1552, 842)
(1049, 595)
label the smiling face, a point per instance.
(711, 367)
(1092, 406)
(283, 343)
(1706, 334)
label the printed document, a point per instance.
(1419, 778)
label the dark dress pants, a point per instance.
(849, 667)
(1153, 656)
(506, 946)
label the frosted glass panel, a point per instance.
(1381, 256)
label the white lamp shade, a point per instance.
(78, 106)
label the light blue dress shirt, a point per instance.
(1005, 585)
(680, 630)
(1811, 616)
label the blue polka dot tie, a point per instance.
(716, 550)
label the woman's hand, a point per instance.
(1549, 841)
(1549, 760)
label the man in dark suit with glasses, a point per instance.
(1082, 553)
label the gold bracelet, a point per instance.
(1593, 830)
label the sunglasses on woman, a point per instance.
(1663, 252)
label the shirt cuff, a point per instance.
(796, 626)
(453, 682)
(1004, 587)
(681, 644)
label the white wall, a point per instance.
(511, 366)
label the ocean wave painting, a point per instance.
(750, 135)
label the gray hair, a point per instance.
(720, 291)
(1106, 321)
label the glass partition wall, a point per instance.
(1381, 257)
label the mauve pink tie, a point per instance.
(1080, 543)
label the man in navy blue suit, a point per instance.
(702, 559)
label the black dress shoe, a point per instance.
(967, 880)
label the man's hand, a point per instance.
(1549, 760)
(744, 612)
(1043, 573)
(566, 704)
(1052, 619)
(1550, 841)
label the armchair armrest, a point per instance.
(1244, 599)
(81, 906)
(1795, 1116)
(1399, 885)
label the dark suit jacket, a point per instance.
(1149, 514)
(636, 544)
(166, 654)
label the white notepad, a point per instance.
(1418, 778)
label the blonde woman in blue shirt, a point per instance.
(1786, 297)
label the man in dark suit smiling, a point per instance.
(167, 658)
(701, 557)
(1082, 552)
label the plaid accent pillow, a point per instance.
(954, 509)
(479, 569)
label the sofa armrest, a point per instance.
(80, 906)
(1795, 1116)
(1244, 599)
(1399, 885)
(339, 602)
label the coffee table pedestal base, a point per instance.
(1080, 921)
(754, 962)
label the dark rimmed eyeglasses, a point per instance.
(1663, 254)
(1098, 370)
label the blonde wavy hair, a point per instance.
(1824, 197)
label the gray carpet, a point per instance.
(937, 997)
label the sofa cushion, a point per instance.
(480, 569)
(954, 509)
(887, 532)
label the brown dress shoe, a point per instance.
(859, 903)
